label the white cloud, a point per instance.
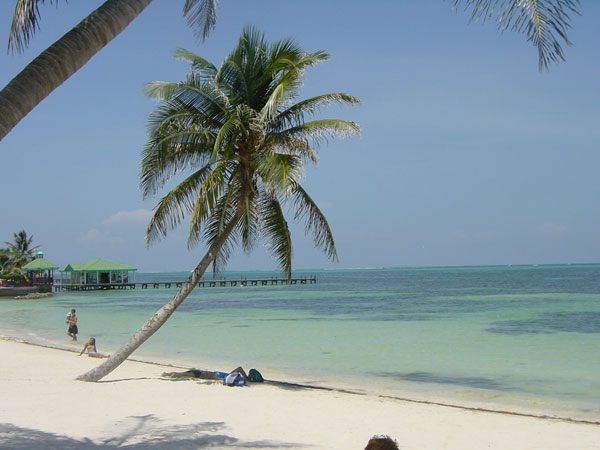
(462, 235)
(483, 235)
(457, 235)
(139, 216)
(552, 230)
(95, 237)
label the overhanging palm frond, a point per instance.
(308, 210)
(544, 22)
(24, 24)
(202, 16)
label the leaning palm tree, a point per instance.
(243, 142)
(72, 51)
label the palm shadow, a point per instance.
(136, 432)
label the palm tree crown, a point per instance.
(238, 131)
(18, 253)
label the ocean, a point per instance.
(524, 339)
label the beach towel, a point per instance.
(234, 379)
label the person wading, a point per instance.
(72, 331)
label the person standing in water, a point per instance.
(72, 331)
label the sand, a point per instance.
(42, 407)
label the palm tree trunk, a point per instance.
(63, 58)
(163, 314)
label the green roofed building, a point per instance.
(97, 272)
(40, 271)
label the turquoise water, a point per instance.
(516, 338)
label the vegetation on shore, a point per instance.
(18, 253)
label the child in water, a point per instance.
(91, 349)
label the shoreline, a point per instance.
(135, 406)
(340, 390)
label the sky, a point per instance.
(468, 156)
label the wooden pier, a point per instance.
(177, 284)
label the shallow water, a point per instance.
(514, 338)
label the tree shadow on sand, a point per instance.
(136, 432)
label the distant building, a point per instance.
(40, 271)
(98, 271)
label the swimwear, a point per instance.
(204, 374)
(199, 373)
(73, 329)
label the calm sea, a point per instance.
(522, 338)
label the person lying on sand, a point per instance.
(204, 374)
(91, 349)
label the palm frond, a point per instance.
(215, 224)
(284, 143)
(170, 151)
(188, 105)
(278, 171)
(544, 22)
(205, 69)
(250, 222)
(202, 98)
(25, 22)
(202, 16)
(312, 59)
(273, 102)
(172, 208)
(207, 199)
(160, 90)
(316, 222)
(320, 130)
(225, 138)
(277, 232)
(295, 114)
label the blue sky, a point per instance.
(469, 155)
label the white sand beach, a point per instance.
(44, 408)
